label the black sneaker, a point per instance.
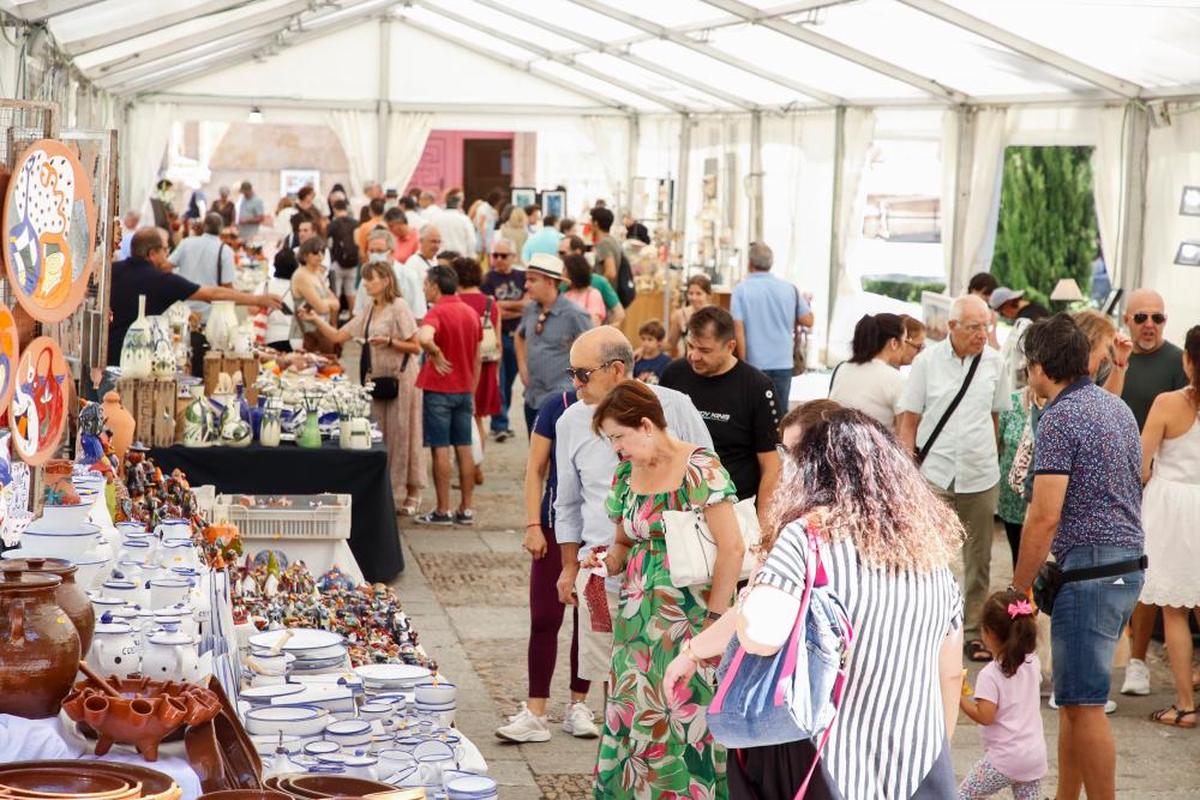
(503, 436)
(464, 517)
(434, 518)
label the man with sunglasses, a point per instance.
(1155, 366)
(548, 328)
(506, 283)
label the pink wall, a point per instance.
(441, 165)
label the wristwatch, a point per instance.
(712, 616)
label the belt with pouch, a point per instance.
(1051, 578)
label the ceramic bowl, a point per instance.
(155, 785)
(393, 760)
(68, 544)
(44, 782)
(322, 786)
(349, 732)
(288, 720)
(375, 711)
(435, 694)
(68, 515)
(467, 786)
(245, 794)
(321, 748)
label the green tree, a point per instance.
(1047, 228)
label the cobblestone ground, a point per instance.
(467, 592)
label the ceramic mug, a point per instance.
(173, 529)
(168, 591)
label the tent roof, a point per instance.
(628, 55)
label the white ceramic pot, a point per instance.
(78, 544)
(65, 517)
(137, 350)
(168, 591)
(178, 553)
(435, 694)
(349, 732)
(170, 655)
(174, 528)
(221, 329)
(127, 591)
(114, 650)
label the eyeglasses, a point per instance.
(584, 375)
(541, 325)
(1141, 317)
(915, 346)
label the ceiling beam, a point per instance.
(542, 52)
(134, 28)
(810, 37)
(186, 69)
(594, 45)
(42, 10)
(269, 104)
(1085, 72)
(174, 45)
(659, 32)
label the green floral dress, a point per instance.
(655, 746)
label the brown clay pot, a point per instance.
(120, 422)
(325, 786)
(69, 595)
(245, 794)
(39, 646)
(42, 781)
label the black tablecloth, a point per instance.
(288, 469)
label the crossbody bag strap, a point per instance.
(962, 390)
(833, 377)
(220, 264)
(364, 358)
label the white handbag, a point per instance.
(692, 550)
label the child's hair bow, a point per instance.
(1021, 608)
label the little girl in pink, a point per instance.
(1007, 704)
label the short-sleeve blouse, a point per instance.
(394, 320)
(705, 482)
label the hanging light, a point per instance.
(255, 116)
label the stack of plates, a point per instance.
(381, 677)
(314, 649)
(471, 787)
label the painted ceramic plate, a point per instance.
(41, 396)
(49, 230)
(392, 676)
(9, 352)
(301, 639)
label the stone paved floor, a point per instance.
(466, 590)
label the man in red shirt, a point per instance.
(449, 334)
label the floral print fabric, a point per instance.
(656, 746)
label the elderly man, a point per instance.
(949, 416)
(736, 401)
(419, 264)
(600, 359)
(205, 260)
(766, 312)
(458, 234)
(1086, 510)
(545, 333)
(1155, 366)
(250, 213)
(506, 283)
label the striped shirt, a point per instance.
(890, 729)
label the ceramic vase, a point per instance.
(360, 433)
(310, 432)
(221, 329)
(235, 431)
(39, 646)
(197, 420)
(121, 423)
(271, 427)
(137, 351)
(163, 362)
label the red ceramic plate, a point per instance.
(41, 396)
(49, 230)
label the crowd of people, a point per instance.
(1079, 434)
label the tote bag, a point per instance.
(692, 550)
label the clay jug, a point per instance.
(69, 595)
(120, 422)
(39, 646)
(137, 351)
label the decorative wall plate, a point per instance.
(9, 352)
(49, 230)
(41, 396)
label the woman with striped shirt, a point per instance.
(886, 544)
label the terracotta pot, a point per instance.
(245, 794)
(37, 781)
(120, 422)
(39, 646)
(69, 596)
(325, 786)
(155, 785)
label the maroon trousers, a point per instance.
(545, 619)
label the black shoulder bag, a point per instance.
(385, 387)
(1051, 578)
(937, 430)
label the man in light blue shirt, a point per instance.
(205, 260)
(544, 241)
(766, 311)
(600, 359)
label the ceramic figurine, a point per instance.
(137, 351)
(91, 426)
(221, 329)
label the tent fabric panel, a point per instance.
(626, 73)
(565, 14)
(671, 13)
(722, 76)
(594, 87)
(494, 44)
(504, 23)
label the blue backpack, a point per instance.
(795, 693)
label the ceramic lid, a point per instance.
(102, 600)
(51, 566)
(171, 638)
(18, 582)
(113, 627)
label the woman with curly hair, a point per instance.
(886, 545)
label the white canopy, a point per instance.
(796, 91)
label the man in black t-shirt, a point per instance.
(736, 401)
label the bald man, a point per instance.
(419, 263)
(1155, 366)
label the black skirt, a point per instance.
(776, 773)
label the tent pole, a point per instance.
(756, 177)
(964, 165)
(631, 160)
(1132, 209)
(383, 107)
(681, 193)
(835, 245)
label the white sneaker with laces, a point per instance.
(580, 722)
(1137, 678)
(525, 727)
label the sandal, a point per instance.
(976, 651)
(1177, 721)
(410, 507)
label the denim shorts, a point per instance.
(1087, 622)
(447, 419)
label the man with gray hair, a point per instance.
(205, 260)
(766, 313)
(949, 418)
(410, 285)
(458, 234)
(372, 190)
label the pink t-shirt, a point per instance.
(590, 300)
(1014, 742)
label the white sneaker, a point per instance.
(1110, 706)
(580, 722)
(1137, 678)
(525, 727)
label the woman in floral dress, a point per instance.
(657, 745)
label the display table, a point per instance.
(287, 469)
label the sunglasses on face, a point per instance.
(584, 375)
(1141, 317)
(501, 255)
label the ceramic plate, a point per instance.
(265, 694)
(347, 727)
(9, 353)
(302, 639)
(471, 785)
(392, 675)
(43, 527)
(41, 396)
(283, 713)
(50, 230)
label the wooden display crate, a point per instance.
(216, 363)
(151, 401)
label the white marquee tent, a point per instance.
(797, 91)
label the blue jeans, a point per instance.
(1087, 622)
(447, 419)
(782, 378)
(508, 374)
